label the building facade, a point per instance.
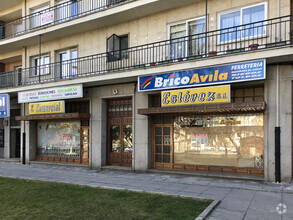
(189, 85)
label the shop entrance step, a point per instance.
(119, 168)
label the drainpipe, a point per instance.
(278, 8)
(278, 130)
(40, 41)
(24, 132)
(279, 24)
(206, 35)
(23, 138)
(134, 127)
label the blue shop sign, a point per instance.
(4, 106)
(238, 72)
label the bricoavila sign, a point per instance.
(57, 93)
(238, 72)
(46, 108)
(206, 95)
(4, 106)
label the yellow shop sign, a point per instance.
(46, 108)
(205, 95)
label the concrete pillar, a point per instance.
(285, 122)
(142, 150)
(97, 153)
(29, 128)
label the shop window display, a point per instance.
(59, 139)
(230, 140)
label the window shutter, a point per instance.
(113, 48)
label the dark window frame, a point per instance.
(118, 50)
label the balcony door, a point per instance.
(119, 132)
(187, 38)
(67, 64)
(18, 75)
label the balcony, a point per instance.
(259, 36)
(56, 15)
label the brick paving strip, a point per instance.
(239, 199)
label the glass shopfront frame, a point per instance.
(222, 143)
(62, 141)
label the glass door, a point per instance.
(85, 144)
(162, 143)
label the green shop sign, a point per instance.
(56, 93)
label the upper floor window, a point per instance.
(248, 17)
(117, 47)
(182, 46)
(41, 65)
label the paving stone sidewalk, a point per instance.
(240, 199)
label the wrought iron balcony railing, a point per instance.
(262, 35)
(55, 15)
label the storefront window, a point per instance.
(230, 140)
(59, 139)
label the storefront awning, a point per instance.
(80, 116)
(206, 109)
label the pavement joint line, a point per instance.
(249, 204)
(208, 210)
(282, 202)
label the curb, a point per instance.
(208, 210)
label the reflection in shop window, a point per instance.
(231, 140)
(59, 139)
